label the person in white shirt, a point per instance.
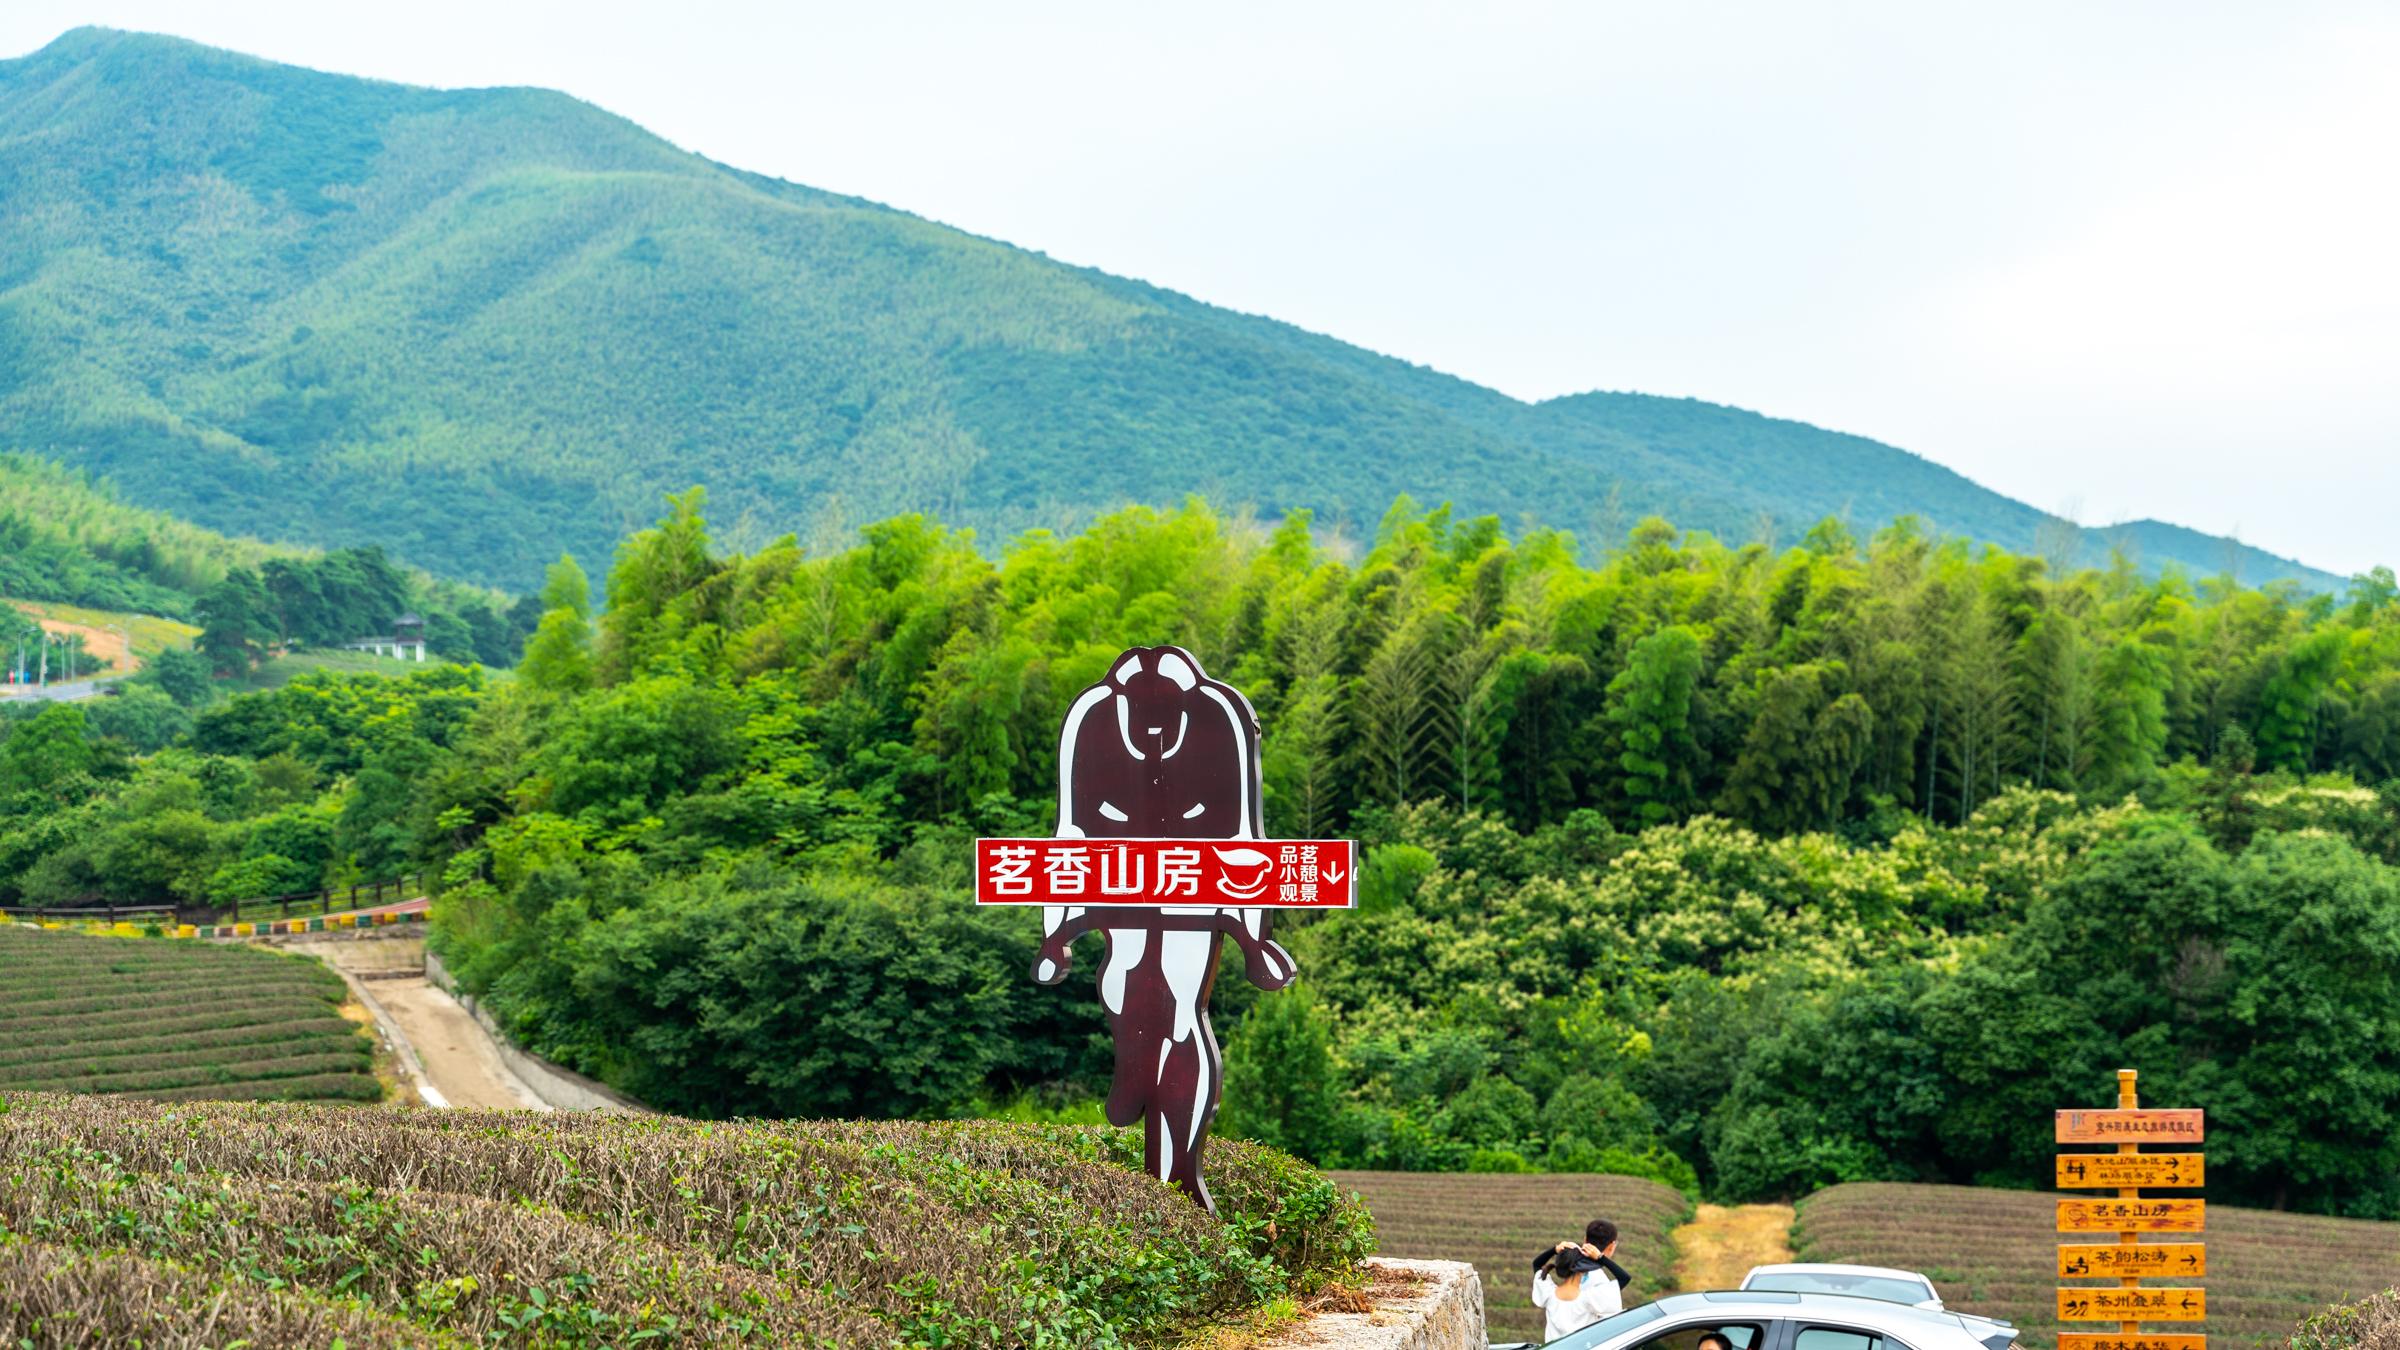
(1575, 1286)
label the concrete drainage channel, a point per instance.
(449, 1049)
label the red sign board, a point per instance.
(1215, 873)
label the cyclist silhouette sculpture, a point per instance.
(1158, 750)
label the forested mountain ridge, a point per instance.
(482, 326)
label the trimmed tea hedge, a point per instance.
(588, 1229)
(1993, 1252)
(57, 1298)
(80, 1013)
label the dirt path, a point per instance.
(1722, 1242)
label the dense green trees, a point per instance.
(1744, 870)
(263, 794)
(347, 594)
(559, 655)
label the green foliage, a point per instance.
(345, 595)
(730, 875)
(1650, 707)
(179, 674)
(46, 752)
(64, 537)
(546, 317)
(140, 717)
(1280, 1084)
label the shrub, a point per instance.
(176, 1019)
(2369, 1324)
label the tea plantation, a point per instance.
(1990, 1252)
(174, 1020)
(126, 1220)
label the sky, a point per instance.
(2116, 260)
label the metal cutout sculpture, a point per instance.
(1158, 802)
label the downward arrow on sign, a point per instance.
(1333, 875)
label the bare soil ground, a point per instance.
(105, 643)
(458, 1056)
(1721, 1243)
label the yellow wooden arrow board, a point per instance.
(2111, 1260)
(2112, 1340)
(2117, 1170)
(2132, 1216)
(2132, 1305)
(2129, 1127)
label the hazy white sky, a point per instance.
(2125, 259)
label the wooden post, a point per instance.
(2128, 1099)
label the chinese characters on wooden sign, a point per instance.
(2129, 1260)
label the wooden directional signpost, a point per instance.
(1161, 848)
(2127, 1216)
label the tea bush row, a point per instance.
(177, 1019)
(933, 1234)
(1992, 1252)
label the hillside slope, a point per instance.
(482, 325)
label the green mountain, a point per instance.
(479, 326)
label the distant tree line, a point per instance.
(1835, 684)
(342, 596)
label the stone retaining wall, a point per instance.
(1418, 1305)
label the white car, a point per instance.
(1771, 1319)
(1883, 1282)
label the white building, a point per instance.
(407, 642)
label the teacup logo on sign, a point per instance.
(1161, 848)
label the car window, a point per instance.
(1708, 1336)
(1608, 1328)
(1842, 1338)
(1836, 1282)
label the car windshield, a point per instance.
(1607, 1328)
(1885, 1287)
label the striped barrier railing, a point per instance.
(324, 923)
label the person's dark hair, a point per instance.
(1570, 1263)
(1600, 1233)
(1718, 1338)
